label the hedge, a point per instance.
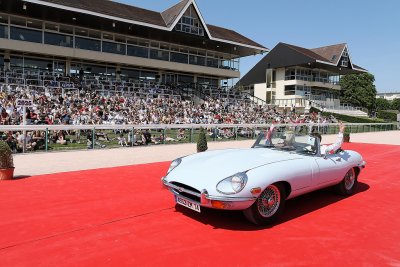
(347, 118)
(387, 115)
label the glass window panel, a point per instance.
(3, 31)
(143, 43)
(138, 51)
(178, 57)
(133, 74)
(58, 39)
(164, 46)
(95, 34)
(185, 78)
(16, 61)
(132, 41)
(26, 35)
(3, 19)
(120, 38)
(37, 63)
(147, 75)
(1, 62)
(51, 27)
(34, 24)
(18, 21)
(114, 48)
(159, 54)
(108, 36)
(155, 44)
(66, 29)
(87, 44)
(81, 32)
(197, 60)
(212, 62)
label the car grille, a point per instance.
(185, 194)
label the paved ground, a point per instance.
(54, 162)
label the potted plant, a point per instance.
(202, 141)
(6, 162)
(346, 137)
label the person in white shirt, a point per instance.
(332, 148)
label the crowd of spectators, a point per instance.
(89, 107)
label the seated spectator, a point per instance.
(122, 140)
(147, 137)
(61, 138)
(89, 137)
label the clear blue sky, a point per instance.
(371, 28)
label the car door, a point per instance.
(330, 168)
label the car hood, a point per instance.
(206, 169)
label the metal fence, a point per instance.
(33, 138)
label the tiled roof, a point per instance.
(114, 9)
(226, 34)
(332, 52)
(172, 13)
(307, 52)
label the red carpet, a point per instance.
(122, 217)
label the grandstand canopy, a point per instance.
(130, 20)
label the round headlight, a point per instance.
(174, 164)
(233, 184)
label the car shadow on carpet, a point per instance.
(295, 208)
(19, 177)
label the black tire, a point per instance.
(348, 185)
(268, 206)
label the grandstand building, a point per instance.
(108, 40)
(292, 76)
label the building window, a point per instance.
(3, 31)
(197, 60)
(138, 51)
(159, 54)
(87, 44)
(58, 39)
(290, 90)
(178, 57)
(190, 23)
(345, 62)
(114, 48)
(26, 35)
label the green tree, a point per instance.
(395, 104)
(382, 104)
(359, 90)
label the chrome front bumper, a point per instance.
(362, 164)
(215, 202)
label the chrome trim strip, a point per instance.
(180, 189)
(177, 189)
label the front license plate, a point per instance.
(188, 204)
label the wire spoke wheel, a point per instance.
(269, 201)
(349, 179)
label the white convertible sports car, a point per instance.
(260, 179)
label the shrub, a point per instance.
(202, 141)
(6, 158)
(387, 115)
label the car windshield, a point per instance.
(287, 140)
